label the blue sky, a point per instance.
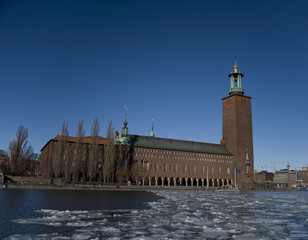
(167, 60)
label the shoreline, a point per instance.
(127, 188)
(102, 187)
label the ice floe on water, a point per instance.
(185, 215)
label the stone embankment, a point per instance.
(13, 182)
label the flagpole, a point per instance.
(207, 176)
(235, 178)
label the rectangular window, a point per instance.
(218, 170)
(184, 168)
(165, 167)
(202, 169)
(147, 165)
(156, 167)
(175, 168)
(212, 170)
(194, 169)
(228, 171)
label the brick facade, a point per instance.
(237, 134)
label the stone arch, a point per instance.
(220, 182)
(230, 182)
(215, 182)
(189, 182)
(165, 181)
(178, 182)
(138, 180)
(160, 181)
(211, 182)
(200, 182)
(205, 181)
(194, 182)
(146, 180)
(152, 181)
(226, 181)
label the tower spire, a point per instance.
(236, 81)
(125, 128)
(152, 132)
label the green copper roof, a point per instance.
(177, 145)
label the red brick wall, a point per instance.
(181, 158)
(237, 133)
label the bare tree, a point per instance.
(122, 174)
(78, 156)
(122, 163)
(60, 154)
(20, 152)
(137, 172)
(5, 167)
(93, 151)
(109, 155)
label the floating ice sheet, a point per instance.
(187, 215)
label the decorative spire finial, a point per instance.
(125, 107)
(235, 66)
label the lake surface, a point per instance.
(60, 214)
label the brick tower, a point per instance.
(237, 129)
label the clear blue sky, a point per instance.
(167, 60)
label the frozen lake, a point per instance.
(164, 215)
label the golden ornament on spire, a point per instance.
(235, 67)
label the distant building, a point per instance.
(281, 177)
(170, 162)
(302, 176)
(264, 176)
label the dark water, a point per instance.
(60, 214)
(25, 203)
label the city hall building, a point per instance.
(171, 162)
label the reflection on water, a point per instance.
(26, 204)
(172, 215)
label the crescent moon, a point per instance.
(125, 107)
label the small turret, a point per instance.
(122, 138)
(124, 129)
